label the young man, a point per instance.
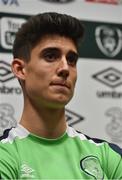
(42, 146)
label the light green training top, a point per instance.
(72, 156)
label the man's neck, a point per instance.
(45, 122)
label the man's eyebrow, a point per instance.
(48, 49)
(57, 49)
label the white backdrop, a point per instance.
(96, 108)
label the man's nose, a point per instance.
(63, 68)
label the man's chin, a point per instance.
(60, 103)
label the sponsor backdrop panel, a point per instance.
(102, 10)
(11, 101)
(98, 99)
(96, 108)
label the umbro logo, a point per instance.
(5, 72)
(27, 171)
(73, 118)
(111, 77)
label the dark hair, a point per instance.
(39, 25)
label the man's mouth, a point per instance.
(62, 84)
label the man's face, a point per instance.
(50, 74)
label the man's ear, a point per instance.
(18, 68)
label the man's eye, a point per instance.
(50, 57)
(72, 58)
